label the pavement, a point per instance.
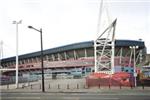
(64, 86)
(93, 93)
(71, 90)
(36, 88)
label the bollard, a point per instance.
(67, 86)
(49, 86)
(143, 86)
(7, 86)
(31, 86)
(58, 86)
(23, 86)
(131, 86)
(77, 86)
(109, 86)
(120, 86)
(99, 86)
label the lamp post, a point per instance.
(42, 68)
(16, 23)
(135, 74)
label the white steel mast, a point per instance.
(104, 45)
(98, 30)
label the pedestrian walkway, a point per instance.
(70, 86)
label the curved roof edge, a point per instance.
(86, 44)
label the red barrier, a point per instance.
(117, 79)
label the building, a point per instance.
(77, 56)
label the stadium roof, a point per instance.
(86, 44)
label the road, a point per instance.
(71, 96)
(33, 92)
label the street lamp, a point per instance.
(43, 87)
(16, 23)
(135, 74)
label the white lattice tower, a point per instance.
(104, 50)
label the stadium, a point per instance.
(74, 59)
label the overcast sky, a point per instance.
(69, 21)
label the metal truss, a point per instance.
(104, 48)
